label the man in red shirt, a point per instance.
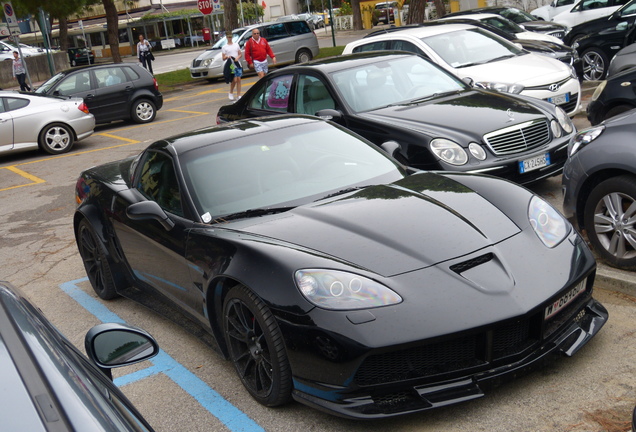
(256, 51)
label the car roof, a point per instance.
(420, 31)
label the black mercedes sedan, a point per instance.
(331, 274)
(48, 385)
(439, 121)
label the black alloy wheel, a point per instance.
(95, 261)
(610, 221)
(256, 347)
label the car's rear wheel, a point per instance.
(594, 62)
(56, 138)
(256, 347)
(619, 109)
(95, 261)
(143, 111)
(303, 56)
(610, 221)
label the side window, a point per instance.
(312, 96)
(593, 4)
(158, 182)
(132, 74)
(276, 31)
(298, 28)
(2, 105)
(16, 103)
(274, 96)
(407, 46)
(109, 77)
(75, 83)
(564, 2)
(373, 46)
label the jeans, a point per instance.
(22, 81)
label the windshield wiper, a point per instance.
(434, 95)
(342, 192)
(253, 213)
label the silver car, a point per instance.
(29, 121)
(292, 42)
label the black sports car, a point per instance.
(519, 16)
(440, 122)
(613, 96)
(330, 273)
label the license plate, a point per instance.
(560, 99)
(534, 163)
(559, 304)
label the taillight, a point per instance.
(82, 107)
(156, 85)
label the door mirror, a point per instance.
(145, 210)
(113, 345)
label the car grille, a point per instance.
(485, 349)
(196, 63)
(518, 138)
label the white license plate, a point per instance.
(560, 99)
(534, 163)
(559, 304)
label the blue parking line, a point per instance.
(233, 418)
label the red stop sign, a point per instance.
(205, 6)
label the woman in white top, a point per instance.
(144, 54)
(232, 71)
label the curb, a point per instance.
(614, 279)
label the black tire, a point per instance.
(256, 347)
(303, 56)
(619, 109)
(56, 138)
(143, 111)
(594, 63)
(95, 261)
(609, 222)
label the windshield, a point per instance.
(464, 48)
(283, 167)
(396, 81)
(235, 37)
(44, 88)
(504, 24)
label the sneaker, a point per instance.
(231, 96)
(238, 97)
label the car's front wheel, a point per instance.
(594, 62)
(143, 111)
(256, 347)
(610, 221)
(56, 138)
(95, 261)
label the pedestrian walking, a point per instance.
(232, 71)
(256, 51)
(145, 55)
(19, 72)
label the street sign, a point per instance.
(205, 6)
(11, 19)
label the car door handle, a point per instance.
(128, 88)
(89, 96)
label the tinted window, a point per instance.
(407, 46)
(274, 95)
(15, 103)
(373, 46)
(276, 31)
(110, 76)
(312, 96)
(158, 182)
(132, 74)
(298, 28)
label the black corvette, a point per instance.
(329, 273)
(439, 122)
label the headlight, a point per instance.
(338, 290)
(599, 90)
(556, 129)
(477, 151)
(583, 138)
(501, 87)
(449, 151)
(548, 224)
(564, 121)
(207, 62)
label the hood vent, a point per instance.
(471, 263)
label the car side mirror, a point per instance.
(145, 210)
(469, 81)
(330, 114)
(391, 147)
(112, 345)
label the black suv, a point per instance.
(111, 92)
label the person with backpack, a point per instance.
(256, 51)
(232, 71)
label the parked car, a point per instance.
(596, 49)
(521, 17)
(547, 12)
(80, 56)
(607, 23)
(488, 61)
(599, 188)
(508, 26)
(112, 92)
(612, 97)
(386, 12)
(52, 124)
(314, 267)
(49, 385)
(6, 51)
(314, 21)
(292, 41)
(623, 60)
(8, 47)
(559, 51)
(587, 10)
(407, 99)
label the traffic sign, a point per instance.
(205, 6)
(11, 19)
